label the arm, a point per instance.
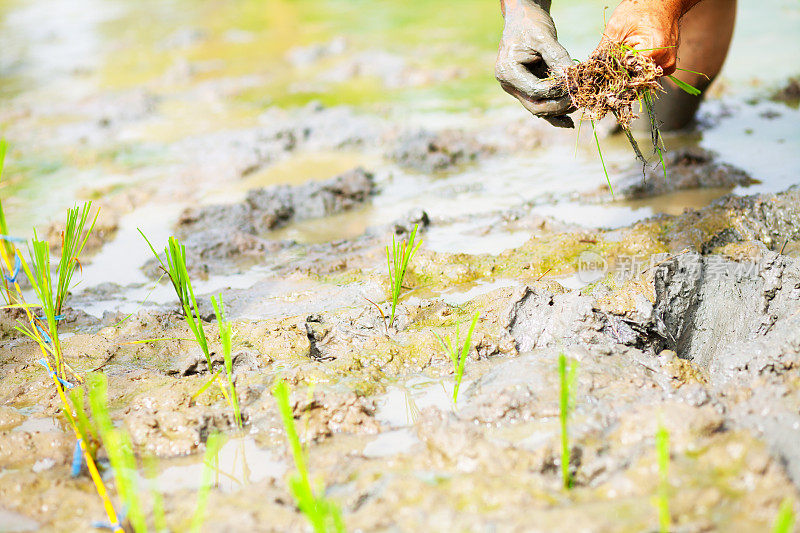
(529, 54)
(652, 26)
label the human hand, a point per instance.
(530, 61)
(651, 27)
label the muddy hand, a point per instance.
(530, 60)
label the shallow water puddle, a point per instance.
(401, 404)
(240, 462)
(391, 443)
(463, 238)
(461, 294)
(40, 425)
(120, 260)
(13, 522)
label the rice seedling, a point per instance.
(662, 500)
(613, 80)
(46, 327)
(73, 240)
(39, 273)
(566, 379)
(210, 465)
(175, 268)
(323, 514)
(458, 352)
(397, 258)
(5, 237)
(784, 522)
(49, 345)
(87, 430)
(119, 448)
(225, 339)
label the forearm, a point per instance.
(511, 4)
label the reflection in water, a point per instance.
(239, 462)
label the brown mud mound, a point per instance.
(426, 151)
(790, 92)
(216, 236)
(612, 80)
(687, 168)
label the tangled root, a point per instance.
(613, 79)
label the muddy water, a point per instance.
(182, 117)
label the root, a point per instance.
(613, 79)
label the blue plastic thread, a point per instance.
(47, 338)
(112, 527)
(9, 238)
(56, 318)
(106, 525)
(77, 459)
(64, 383)
(17, 266)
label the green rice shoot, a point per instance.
(662, 500)
(9, 247)
(323, 514)
(73, 240)
(41, 280)
(225, 334)
(118, 446)
(566, 377)
(398, 257)
(784, 522)
(175, 267)
(458, 352)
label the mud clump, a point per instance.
(222, 232)
(612, 80)
(426, 151)
(270, 208)
(687, 168)
(790, 92)
(326, 414)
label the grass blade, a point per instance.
(694, 91)
(784, 522)
(602, 161)
(662, 500)
(567, 382)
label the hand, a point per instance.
(531, 60)
(650, 26)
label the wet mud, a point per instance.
(701, 337)
(685, 318)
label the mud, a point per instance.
(426, 151)
(686, 168)
(790, 92)
(286, 204)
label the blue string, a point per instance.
(17, 266)
(9, 238)
(106, 525)
(64, 383)
(56, 318)
(77, 459)
(47, 338)
(111, 527)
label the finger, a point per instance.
(664, 58)
(546, 107)
(514, 75)
(560, 121)
(555, 56)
